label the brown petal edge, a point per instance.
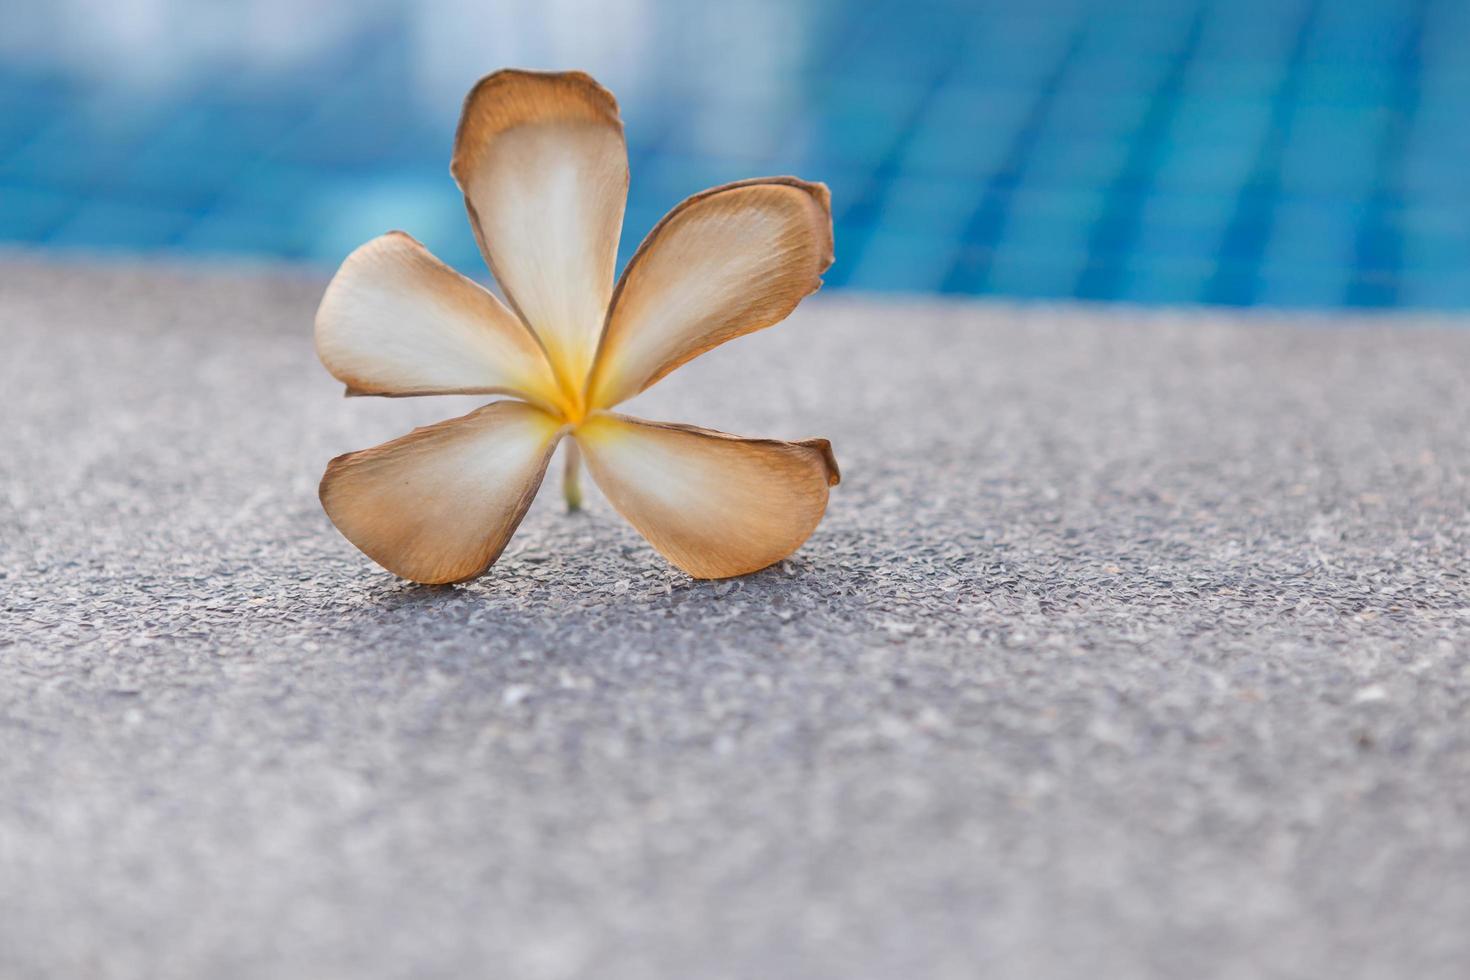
(821, 199)
(417, 505)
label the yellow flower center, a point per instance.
(570, 396)
(569, 409)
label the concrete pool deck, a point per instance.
(1133, 644)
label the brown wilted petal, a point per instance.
(439, 504)
(544, 170)
(397, 321)
(715, 505)
(724, 263)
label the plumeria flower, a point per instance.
(544, 169)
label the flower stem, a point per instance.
(571, 484)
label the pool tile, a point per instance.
(1014, 149)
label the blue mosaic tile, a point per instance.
(31, 214)
(904, 262)
(120, 225)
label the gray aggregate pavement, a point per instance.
(1134, 644)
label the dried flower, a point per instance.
(544, 170)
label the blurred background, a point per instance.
(1297, 153)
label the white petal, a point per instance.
(713, 504)
(397, 321)
(724, 263)
(439, 504)
(544, 170)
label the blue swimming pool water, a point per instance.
(1279, 152)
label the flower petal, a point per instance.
(724, 263)
(397, 321)
(714, 504)
(544, 170)
(439, 504)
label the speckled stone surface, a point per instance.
(1133, 644)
